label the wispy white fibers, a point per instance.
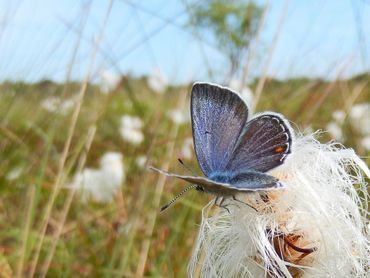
(101, 184)
(315, 227)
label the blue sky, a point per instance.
(37, 38)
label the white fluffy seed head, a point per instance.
(178, 116)
(323, 210)
(108, 81)
(130, 129)
(101, 184)
(157, 81)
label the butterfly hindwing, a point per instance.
(263, 145)
(218, 117)
(253, 181)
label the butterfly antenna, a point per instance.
(177, 196)
(186, 167)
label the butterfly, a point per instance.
(233, 153)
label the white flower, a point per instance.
(187, 148)
(50, 104)
(101, 184)
(141, 161)
(57, 105)
(365, 142)
(315, 227)
(360, 118)
(130, 129)
(157, 81)
(339, 116)
(109, 81)
(178, 116)
(244, 91)
(14, 174)
(335, 131)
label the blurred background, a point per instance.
(92, 92)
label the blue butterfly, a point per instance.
(233, 153)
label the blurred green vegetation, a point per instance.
(105, 240)
(232, 25)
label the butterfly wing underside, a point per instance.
(244, 182)
(218, 117)
(225, 143)
(264, 144)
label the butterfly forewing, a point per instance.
(263, 144)
(218, 118)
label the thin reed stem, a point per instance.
(262, 80)
(157, 195)
(67, 204)
(254, 46)
(26, 230)
(67, 145)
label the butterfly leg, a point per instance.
(216, 199)
(223, 206)
(234, 198)
(220, 203)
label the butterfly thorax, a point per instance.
(221, 177)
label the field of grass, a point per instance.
(45, 228)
